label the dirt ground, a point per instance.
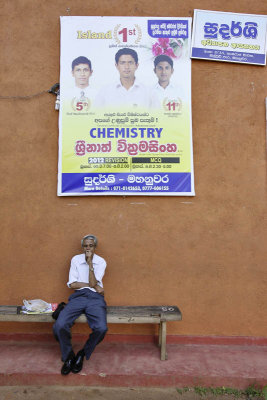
(101, 393)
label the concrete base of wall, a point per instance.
(134, 361)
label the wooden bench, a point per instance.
(115, 315)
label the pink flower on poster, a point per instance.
(156, 49)
(170, 47)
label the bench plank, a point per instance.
(115, 314)
(169, 313)
(9, 310)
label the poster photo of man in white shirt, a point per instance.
(128, 91)
(82, 94)
(169, 95)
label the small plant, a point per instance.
(202, 391)
(183, 390)
(220, 391)
(251, 392)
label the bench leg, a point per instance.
(162, 339)
(160, 335)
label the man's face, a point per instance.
(164, 72)
(88, 244)
(126, 66)
(81, 74)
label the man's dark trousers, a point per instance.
(93, 305)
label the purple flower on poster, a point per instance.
(169, 47)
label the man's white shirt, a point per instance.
(79, 270)
(171, 92)
(75, 95)
(116, 95)
(84, 92)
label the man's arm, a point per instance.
(79, 285)
(89, 259)
(99, 289)
(93, 283)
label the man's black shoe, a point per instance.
(67, 366)
(78, 362)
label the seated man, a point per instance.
(85, 276)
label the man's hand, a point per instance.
(89, 256)
(99, 289)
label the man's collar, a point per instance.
(79, 90)
(170, 86)
(84, 88)
(135, 84)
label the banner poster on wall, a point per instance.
(125, 106)
(230, 37)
